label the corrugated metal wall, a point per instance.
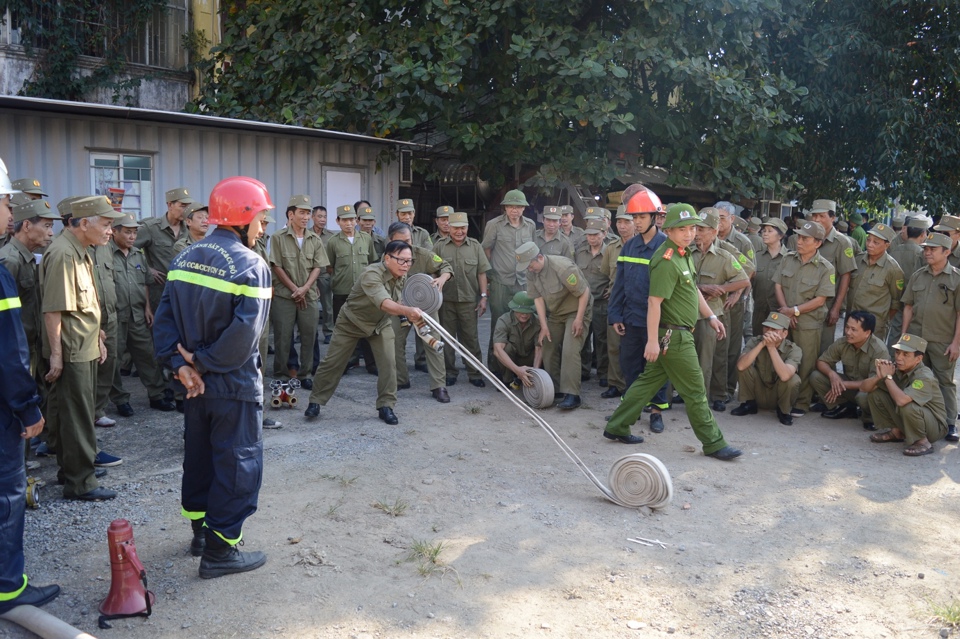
(56, 149)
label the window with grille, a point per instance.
(124, 178)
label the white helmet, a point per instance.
(6, 188)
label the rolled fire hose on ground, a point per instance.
(635, 480)
(43, 624)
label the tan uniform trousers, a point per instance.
(326, 302)
(345, 338)
(821, 385)
(70, 417)
(917, 422)
(134, 339)
(108, 369)
(435, 362)
(284, 315)
(809, 342)
(705, 341)
(566, 367)
(781, 395)
(943, 368)
(460, 320)
(614, 372)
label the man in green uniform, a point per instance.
(772, 232)
(754, 225)
(574, 234)
(297, 258)
(103, 278)
(857, 234)
(516, 341)
(549, 239)
(626, 229)
(768, 371)
(366, 314)
(195, 217)
(877, 284)
(424, 261)
(675, 304)
(905, 398)
(909, 255)
(366, 221)
(724, 374)
(931, 310)
(158, 236)
(465, 299)
(840, 252)
(502, 236)
(406, 212)
(803, 284)
(589, 259)
(30, 187)
(564, 306)
(950, 226)
(73, 344)
(443, 223)
(323, 280)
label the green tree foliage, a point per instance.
(531, 83)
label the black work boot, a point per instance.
(220, 558)
(199, 541)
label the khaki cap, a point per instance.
(911, 344)
(811, 229)
(193, 208)
(444, 211)
(883, 231)
(754, 223)
(459, 218)
(63, 207)
(19, 198)
(918, 222)
(179, 194)
(842, 226)
(300, 202)
(938, 239)
(594, 226)
(739, 223)
(93, 206)
(404, 205)
(32, 209)
(777, 320)
(823, 206)
(709, 217)
(566, 209)
(29, 185)
(948, 223)
(597, 211)
(551, 213)
(622, 213)
(366, 213)
(346, 211)
(776, 223)
(128, 221)
(897, 221)
(526, 253)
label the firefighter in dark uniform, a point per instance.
(206, 330)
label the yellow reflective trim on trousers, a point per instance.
(206, 281)
(232, 542)
(10, 596)
(634, 260)
(9, 304)
(191, 514)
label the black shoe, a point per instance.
(199, 541)
(785, 418)
(797, 412)
(559, 397)
(818, 407)
(372, 370)
(676, 400)
(97, 472)
(611, 392)
(420, 367)
(656, 423)
(353, 363)
(451, 381)
(718, 405)
(843, 411)
(952, 434)
(403, 386)
(163, 405)
(220, 558)
(569, 402)
(603, 382)
(624, 439)
(726, 453)
(869, 426)
(125, 409)
(306, 383)
(179, 405)
(313, 410)
(31, 596)
(386, 414)
(479, 383)
(97, 494)
(441, 395)
(746, 408)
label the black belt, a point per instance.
(674, 327)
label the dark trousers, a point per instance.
(222, 463)
(13, 501)
(632, 362)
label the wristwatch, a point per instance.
(796, 311)
(483, 294)
(888, 376)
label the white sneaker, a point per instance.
(105, 422)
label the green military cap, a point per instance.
(193, 208)
(346, 212)
(842, 226)
(776, 223)
(754, 223)
(918, 222)
(596, 211)
(514, 198)
(551, 212)
(19, 198)
(681, 214)
(777, 320)
(855, 218)
(405, 205)
(709, 217)
(299, 202)
(459, 218)
(911, 344)
(366, 213)
(94, 205)
(897, 221)
(29, 185)
(739, 223)
(595, 225)
(622, 213)
(32, 209)
(522, 303)
(526, 253)
(882, 231)
(179, 194)
(267, 219)
(938, 239)
(823, 206)
(128, 220)
(566, 209)
(63, 207)
(948, 223)
(811, 229)
(444, 211)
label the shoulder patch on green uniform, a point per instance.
(917, 384)
(899, 285)
(736, 265)
(750, 253)
(437, 258)
(668, 254)
(572, 280)
(833, 278)
(848, 251)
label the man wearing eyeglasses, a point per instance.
(931, 310)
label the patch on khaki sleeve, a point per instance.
(917, 384)
(848, 252)
(437, 258)
(572, 280)
(833, 279)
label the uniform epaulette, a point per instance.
(668, 254)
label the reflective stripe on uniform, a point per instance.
(10, 596)
(9, 304)
(206, 281)
(635, 260)
(232, 542)
(192, 515)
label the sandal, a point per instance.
(885, 437)
(914, 451)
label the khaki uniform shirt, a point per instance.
(103, 279)
(373, 287)
(577, 237)
(876, 288)
(436, 236)
(763, 286)
(592, 267)
(954, 257)
(839, 250)
(348, 260)
(503, 240)
(610, 254)
(426, 261)
(921, 386)
(559, 245)
(560, 283)
(803, 282)
(909, 255)
(757, 242)
(66, 273)
(130, 276)
(297, 261)
(743, 244)
(421, 237)
(858, 363)
(157, 240)
(748, 263)
(324, 234)
(22, 264)
(468, 261)
(935, 300)
(716, 266)
(185, 240)
(790, 353)
(260, 248)
(519, 338)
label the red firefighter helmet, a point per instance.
(235, 201)
(642, 200)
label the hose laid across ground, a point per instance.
(635, 480)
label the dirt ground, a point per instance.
(814, 532)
